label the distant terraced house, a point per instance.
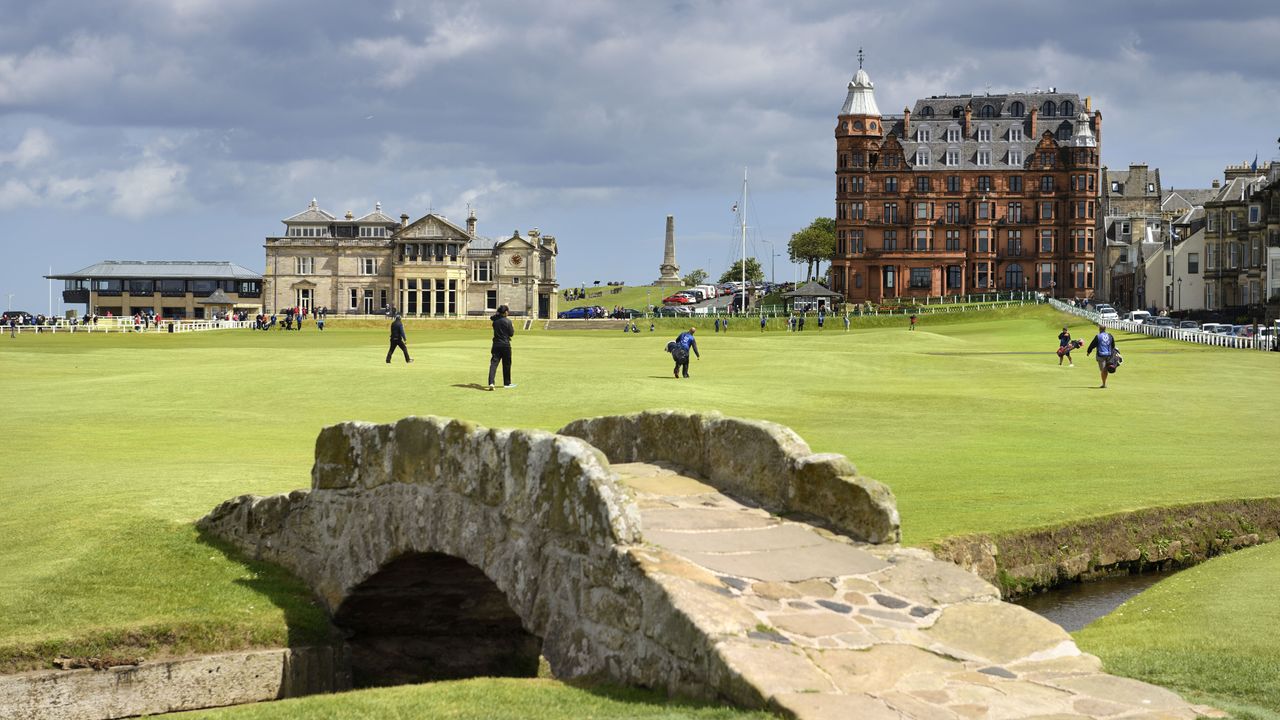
(429, 267)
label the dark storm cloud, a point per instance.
(144, 109)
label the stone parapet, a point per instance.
(756, 460)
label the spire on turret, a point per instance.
(862, 98)
(1084, 134)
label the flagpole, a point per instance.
(742, 219)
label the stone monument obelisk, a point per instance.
(669, 271)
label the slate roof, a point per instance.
(934, 115)
(811, 289)
(1237, 189)
(377, 217)
(159, 269)
(313, 213)
(1186, 198)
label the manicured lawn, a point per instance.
(115, 444)
(483, 699)
(1210, 631)
(636, 297)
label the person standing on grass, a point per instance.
(397, 340)
(320, 320)
(717, 324)
(761, 322)
(846, 322)
(1105, 344)
(13, 326)
(1064, 341)
(683, 346)
(500, 351)
(913, 321)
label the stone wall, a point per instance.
(1028, 561)
(755, 460)
(171, 685)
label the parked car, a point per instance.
(1166, 322)
(1188, 325)
(1106, 312)
(678, 299)
(1212, 328)
(626, 314)
(1138, 316)
(671, 311)
(22, 315)
(578, 313)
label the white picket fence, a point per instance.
(125, 325)
(1194, 336)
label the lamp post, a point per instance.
(1179, 303)
(9, 304)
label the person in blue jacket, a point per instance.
(1105, 344)
(684, 344)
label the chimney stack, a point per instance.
(404, 220)
(906, 123)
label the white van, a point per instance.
(1137, 316)
(1213, 328)
(711, 290)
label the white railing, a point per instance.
(125, 325)
(1194, 336)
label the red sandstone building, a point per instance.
(965, 194)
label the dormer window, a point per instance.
(1015, 134)
(1068, 109)
(922, 135)
(984, 158)
(1064, 133)
(1015, 156)
(984, 133)
(953, 134)
(953, 157)
(926, 111)
(1017, 109)
(987, 111)
(957, 111)
(1049, 109)
(922, 157)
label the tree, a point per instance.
(697, 277)
(813, 244)
(734, 273)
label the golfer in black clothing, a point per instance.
(397, 340)
(501, 349)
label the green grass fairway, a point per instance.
(1209, 631)
(115, 444)
(483, 699)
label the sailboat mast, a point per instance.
(742, 221)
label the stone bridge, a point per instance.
(705, 556)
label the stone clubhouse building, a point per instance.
(430, 267)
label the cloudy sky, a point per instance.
(187, 129)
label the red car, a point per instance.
(679, 299)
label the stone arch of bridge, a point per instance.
(426, 616)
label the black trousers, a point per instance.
(500, 354)
(398, 343)
(682, 363)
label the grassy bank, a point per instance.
(1209, 631)
(482, 699)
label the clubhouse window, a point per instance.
(305, 265)
(921, 278)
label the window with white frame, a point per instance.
(1015, 133)
(984, 133)
(953, 157)
(1235, 221)
(922, 134)
(953, 134)
(354, 296)
(922, 211)
(984, 158)
(368, 266)
(305, 265)
(1015, 156)
(922, 157)
(491, 300)
(482, 271)
(1255, 214)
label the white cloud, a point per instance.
(150, 187)
(451, 36)
(36, 144)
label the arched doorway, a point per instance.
(430, 616)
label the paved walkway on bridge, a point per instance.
(827, 628)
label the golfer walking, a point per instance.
(500, 352)
(397, 340)
(683, 345)
(1106, 347)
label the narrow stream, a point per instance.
(1075, 605)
